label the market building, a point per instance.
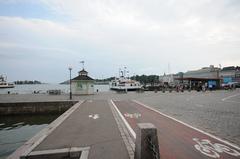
(206, 76)
(210, 77)
(230, 74)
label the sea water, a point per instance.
(16, 130)
(43, 88)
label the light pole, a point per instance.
(70, 83)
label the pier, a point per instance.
(48, 107)
(104, 126)
(88, 125)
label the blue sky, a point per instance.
(25, 10)
(41, 39)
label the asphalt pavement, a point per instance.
(91, 125)
(177, 139)
(216, 112)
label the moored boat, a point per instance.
(124, 83)
(4, 83)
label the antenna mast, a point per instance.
(82, 62)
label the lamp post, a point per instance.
(70, 83)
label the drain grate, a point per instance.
(65, 153)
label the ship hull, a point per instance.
(6, 86)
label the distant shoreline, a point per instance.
(27, 82)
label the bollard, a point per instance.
(146, 145)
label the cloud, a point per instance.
(143, 35)
(126, 24)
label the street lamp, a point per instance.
(70, 83)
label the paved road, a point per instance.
(92, 124)
(216, 112)
(176, 140)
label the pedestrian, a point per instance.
(210, 87)
(203, 88)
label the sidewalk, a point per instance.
(91, 127)
(92, 124)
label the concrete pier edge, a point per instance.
(133, 134)
(37, 107)
(125, 133)
(25, 149)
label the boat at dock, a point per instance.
(124, 83)
(4, 83)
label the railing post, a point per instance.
(146, 145)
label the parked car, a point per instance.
(230, 85)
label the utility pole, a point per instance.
(70, 83)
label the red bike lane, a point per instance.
(177, 140)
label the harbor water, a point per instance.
(43, 88)
(16, 130)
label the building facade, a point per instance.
(210, 72)
(230, 74)
(211, 77)
(82, 84)
(170, 79)
(207, 76)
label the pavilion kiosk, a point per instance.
(82, 84)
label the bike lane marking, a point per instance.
(175, 140)
(124, 120)
(226, 99)
(201, 131)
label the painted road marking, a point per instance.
(213, 149)
(210, 135)
(224, 99)
(94, 116)
(209, 145)
(134, 115)
(124, 120)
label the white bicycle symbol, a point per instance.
(212, 150)
(134, 115)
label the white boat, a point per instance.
(124, 83)
(4, 84)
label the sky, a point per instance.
(40, 40)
